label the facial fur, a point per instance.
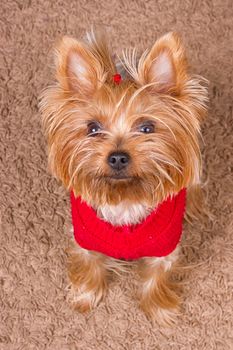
(153, 116)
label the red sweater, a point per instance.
(158, 235)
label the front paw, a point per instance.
(159, 301)
(83, 299)
(165, 317)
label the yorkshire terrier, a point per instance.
(123, 137)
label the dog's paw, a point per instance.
(165, 317)
(82, 299)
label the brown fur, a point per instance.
(88, 277)
(89, 274)
(159, 89)
(158, 294)
(162, 163)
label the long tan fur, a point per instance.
(157, 88)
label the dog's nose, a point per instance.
(118, 160)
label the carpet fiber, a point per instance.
(35, 212)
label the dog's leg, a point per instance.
(88, 274)
(158, 298)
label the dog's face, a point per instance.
(136, 140)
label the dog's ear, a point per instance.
(78, 70)
(165, 66)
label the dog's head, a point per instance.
(135, 138)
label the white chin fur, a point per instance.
(124, 213)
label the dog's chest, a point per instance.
(124, 213)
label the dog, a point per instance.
(123, 137)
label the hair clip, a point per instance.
(117, 78)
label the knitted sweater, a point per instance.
(156, 236)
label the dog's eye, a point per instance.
(147, 128)
(93, 128)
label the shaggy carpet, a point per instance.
(35, 212)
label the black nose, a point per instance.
(118, 160)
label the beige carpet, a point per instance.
(35, 213)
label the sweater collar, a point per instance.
(161, 216)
